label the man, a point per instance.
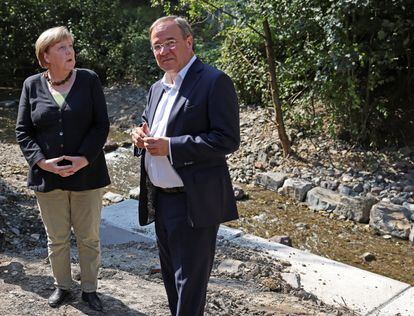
(190, 124)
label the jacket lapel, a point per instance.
(190, 80)
(155, 100)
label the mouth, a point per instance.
(166, 60)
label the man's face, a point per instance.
(175, 51)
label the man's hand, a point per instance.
(157, 146)
(52, 166)
(138, 135)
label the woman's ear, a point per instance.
(46, 57)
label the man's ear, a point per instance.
(190, 42)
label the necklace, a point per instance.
(57, 83)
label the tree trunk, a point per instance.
(277, 105)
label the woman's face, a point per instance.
(61, 56)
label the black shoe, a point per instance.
(58, 297)
(93, 300)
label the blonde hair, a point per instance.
(49, 38)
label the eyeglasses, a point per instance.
(170, 44)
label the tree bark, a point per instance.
(277, 104)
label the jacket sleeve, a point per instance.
(139, 151)
(25, 131)
(223, 134)
(95, 139)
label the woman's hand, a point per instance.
(78, 162)
(51, 165)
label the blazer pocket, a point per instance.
(189, 107)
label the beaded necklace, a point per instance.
(57, 83)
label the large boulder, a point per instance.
(296, 188)
(271, 180)
(391, 219)
(353, 208)
(357, 209)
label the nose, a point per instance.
(164, 49)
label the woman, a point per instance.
(62, 125)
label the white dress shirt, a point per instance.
(159, 168)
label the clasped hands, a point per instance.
(156, 146)
(52, 165)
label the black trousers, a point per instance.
(186, 255)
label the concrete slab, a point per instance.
(333, 282)
(125, 215)
(111, 235)
(402, 305)
(228, 233)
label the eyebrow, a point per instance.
(169, 38)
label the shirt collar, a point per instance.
(179, 78)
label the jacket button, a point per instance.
(61, 145)
(61, 133)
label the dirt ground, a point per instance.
(129, 284)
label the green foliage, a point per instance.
(110, 38)
(344, 67)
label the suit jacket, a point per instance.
(203, 128)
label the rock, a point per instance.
(391, 219)
(284, 240)
(376, 190)
(2, 240)
(293, 279)
(15, 231)
(409, 188)
(155, 269)
(321, 199)
(110, 146)
(367, 257)
(409, 206)
(134, 193)
(271, 180)
(9, 104)
(113, 197)
(359, 187)
(344, 189)
(238, 193)
(296, 188)
(330, 185)
(260, 165)
(3, 199)
(35, 236)
(354, 208)
(397, 200)
(347, 178)
(301, 226)
(411, 236)
(230, 266)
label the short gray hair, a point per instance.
(179, 21)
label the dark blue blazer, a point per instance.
(203, 128)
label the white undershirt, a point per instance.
(159, 168)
